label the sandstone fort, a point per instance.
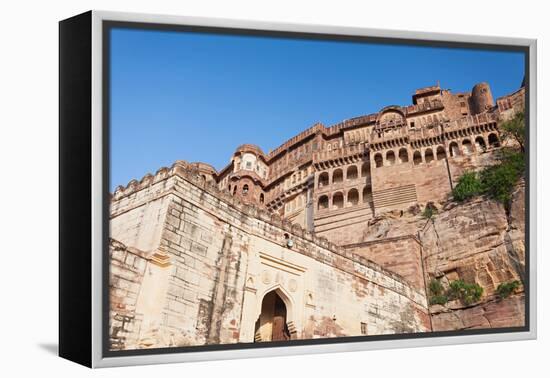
(323, 236)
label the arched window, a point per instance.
(322, 204)
(353, 197)
(440, 154)
(417, 158)
(351, 173)
(480, 144)
(235, 190)
(245, 189)
(338, 200)
(378, 160)
(390, 158)
(493, 140)
(367, 194)
(337, 176)
(467, 147)
(323, 179)
(403, 155)
(365, 170)
(428, 155)
(261, 198)
(453, 149)
(203, 177)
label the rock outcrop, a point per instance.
(477, 241)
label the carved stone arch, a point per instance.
(390, 113)
(390, 157)
(480, 143)
(454, 149)
(284, 295)
(403, 155)
(440, 153)
(493, 140)
(417, 157)
(428, 155)
(289, 305)
(323, 180)
(338, 200)
(467, 147)
(378, 160)
(337, 176)
(323, 203)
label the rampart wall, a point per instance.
(216, 259)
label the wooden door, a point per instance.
(279, 330)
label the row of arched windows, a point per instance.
(244, 191)
(338, 175)
(437, 153)
(233, 190)
(339, 200)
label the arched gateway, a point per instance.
(272, 323)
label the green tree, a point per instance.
(515, 129)
(498, 180)
(468, 293)
(506, 288)
(468, 186)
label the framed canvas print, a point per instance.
(233, 189)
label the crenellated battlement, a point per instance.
(188, 172)
(302, 237)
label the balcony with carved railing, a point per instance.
(433, 133)
(277, 196)
(392, 137)
(288, 167)
(463, 126)
(344, 155)
(424, 107)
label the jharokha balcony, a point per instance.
(344, 155)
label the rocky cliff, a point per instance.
(477, 241)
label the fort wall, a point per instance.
(217, 259)
(127, 268)
(405, 257)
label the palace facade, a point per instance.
(305, 242)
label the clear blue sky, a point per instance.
(196, 97)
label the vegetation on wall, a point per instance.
(467, 293)
(469, 185)
(429, 211)
(515, 129)
(506, 288)
(437, 293)
(498, 180)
